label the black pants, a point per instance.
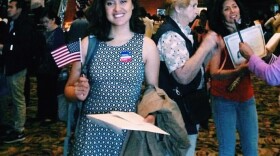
(47, 96)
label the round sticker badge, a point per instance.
(125, 56)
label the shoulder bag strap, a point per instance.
(92, 48)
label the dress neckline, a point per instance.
(115, 46)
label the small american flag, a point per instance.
(67, 54)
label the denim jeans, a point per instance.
(192, 138)
(230, 116)
(16, 86)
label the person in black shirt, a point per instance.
(16, 56)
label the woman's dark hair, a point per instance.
(142, 12)
(51, 15)
(100, 26)
(203, 16)
(216, 20)
(80, 14)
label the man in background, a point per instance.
(78, 27)
(17, 55)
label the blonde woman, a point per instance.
(182, 65)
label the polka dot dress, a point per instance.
(116, 74)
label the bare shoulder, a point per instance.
(85, 42)
(149, 48)
(148, 40)
(84, 47)
(149, 44)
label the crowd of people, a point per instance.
(184, 55)
(16, 54)
(26, 44)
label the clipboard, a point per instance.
(253, 36)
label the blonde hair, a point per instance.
(171, 4)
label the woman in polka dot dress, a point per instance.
(115, 75)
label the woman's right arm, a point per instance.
(77, 86)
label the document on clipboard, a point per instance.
(117, 121)
(253, 36)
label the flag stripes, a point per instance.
(67, 54)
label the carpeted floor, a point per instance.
(48, 140)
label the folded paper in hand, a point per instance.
(117, 121)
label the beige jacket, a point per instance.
(169, 118)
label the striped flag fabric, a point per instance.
(67, 54)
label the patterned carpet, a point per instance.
(48, 140)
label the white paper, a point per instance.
(273, 42)
(253, 36)
(117, 121)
